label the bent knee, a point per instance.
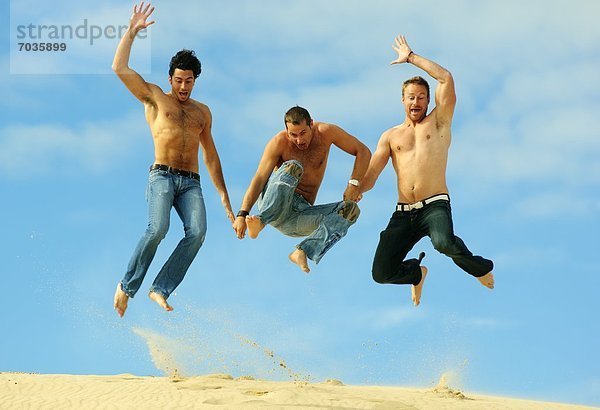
(293, 167)
(197, 234)
(350, 211)
(157, 233)
(379, 276)
(442, 245)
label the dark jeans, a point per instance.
(405, 229)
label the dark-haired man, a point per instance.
(286, 195)
(179, 126)
(419, 151)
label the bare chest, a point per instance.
(313, 159)
(188, 118)
(423, 139)
(180, 118)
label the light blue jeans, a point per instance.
(287, 211)
(166, 190)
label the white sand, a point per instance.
(47, 391)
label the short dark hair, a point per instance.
(296, 115)
(185, 60)
(418, 80)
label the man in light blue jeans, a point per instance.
(168, 188)
(287, 211)
(285, 197)
(179, 126)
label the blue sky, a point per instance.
(523, 173)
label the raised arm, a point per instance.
(132, 80)
(213, 165)
(352, 146)
(445, 96)
(265, 168)
(378, 162)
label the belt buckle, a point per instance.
(417, 205)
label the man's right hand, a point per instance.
(352, 193)
(239, 226)
(139, 17)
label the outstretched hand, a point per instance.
(403, 50)
(139, 17)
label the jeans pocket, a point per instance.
(156, 173)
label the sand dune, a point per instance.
(48, 391)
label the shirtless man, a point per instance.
(179, 126)
(286, 195)
(419, 151)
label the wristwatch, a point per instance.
(354, 182)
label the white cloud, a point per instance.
(555, 203)
(27, 150)
(541, 128)
(526, 79)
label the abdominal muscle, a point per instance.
(419, 178)
(177, 151)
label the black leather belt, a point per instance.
(176, 171)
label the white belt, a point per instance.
(421, 204)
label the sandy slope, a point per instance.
(47, 391)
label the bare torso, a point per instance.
(419, 156)
(176, 129)
(313, 159)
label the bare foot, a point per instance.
(487, 280)
(160, 299)
(121, 299)
(299, 258)
(417, 289)
(254, 225)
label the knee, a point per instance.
(350, 211)
(293, 167)
(196, 234)
(379, 276)
(442, 244)
(157, 232)
(380, 270)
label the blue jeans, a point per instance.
(166, 190)
(405, 229)
(287, 211)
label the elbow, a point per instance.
(366, 153)
(117, 69)
(116, 66)
(446, 77)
